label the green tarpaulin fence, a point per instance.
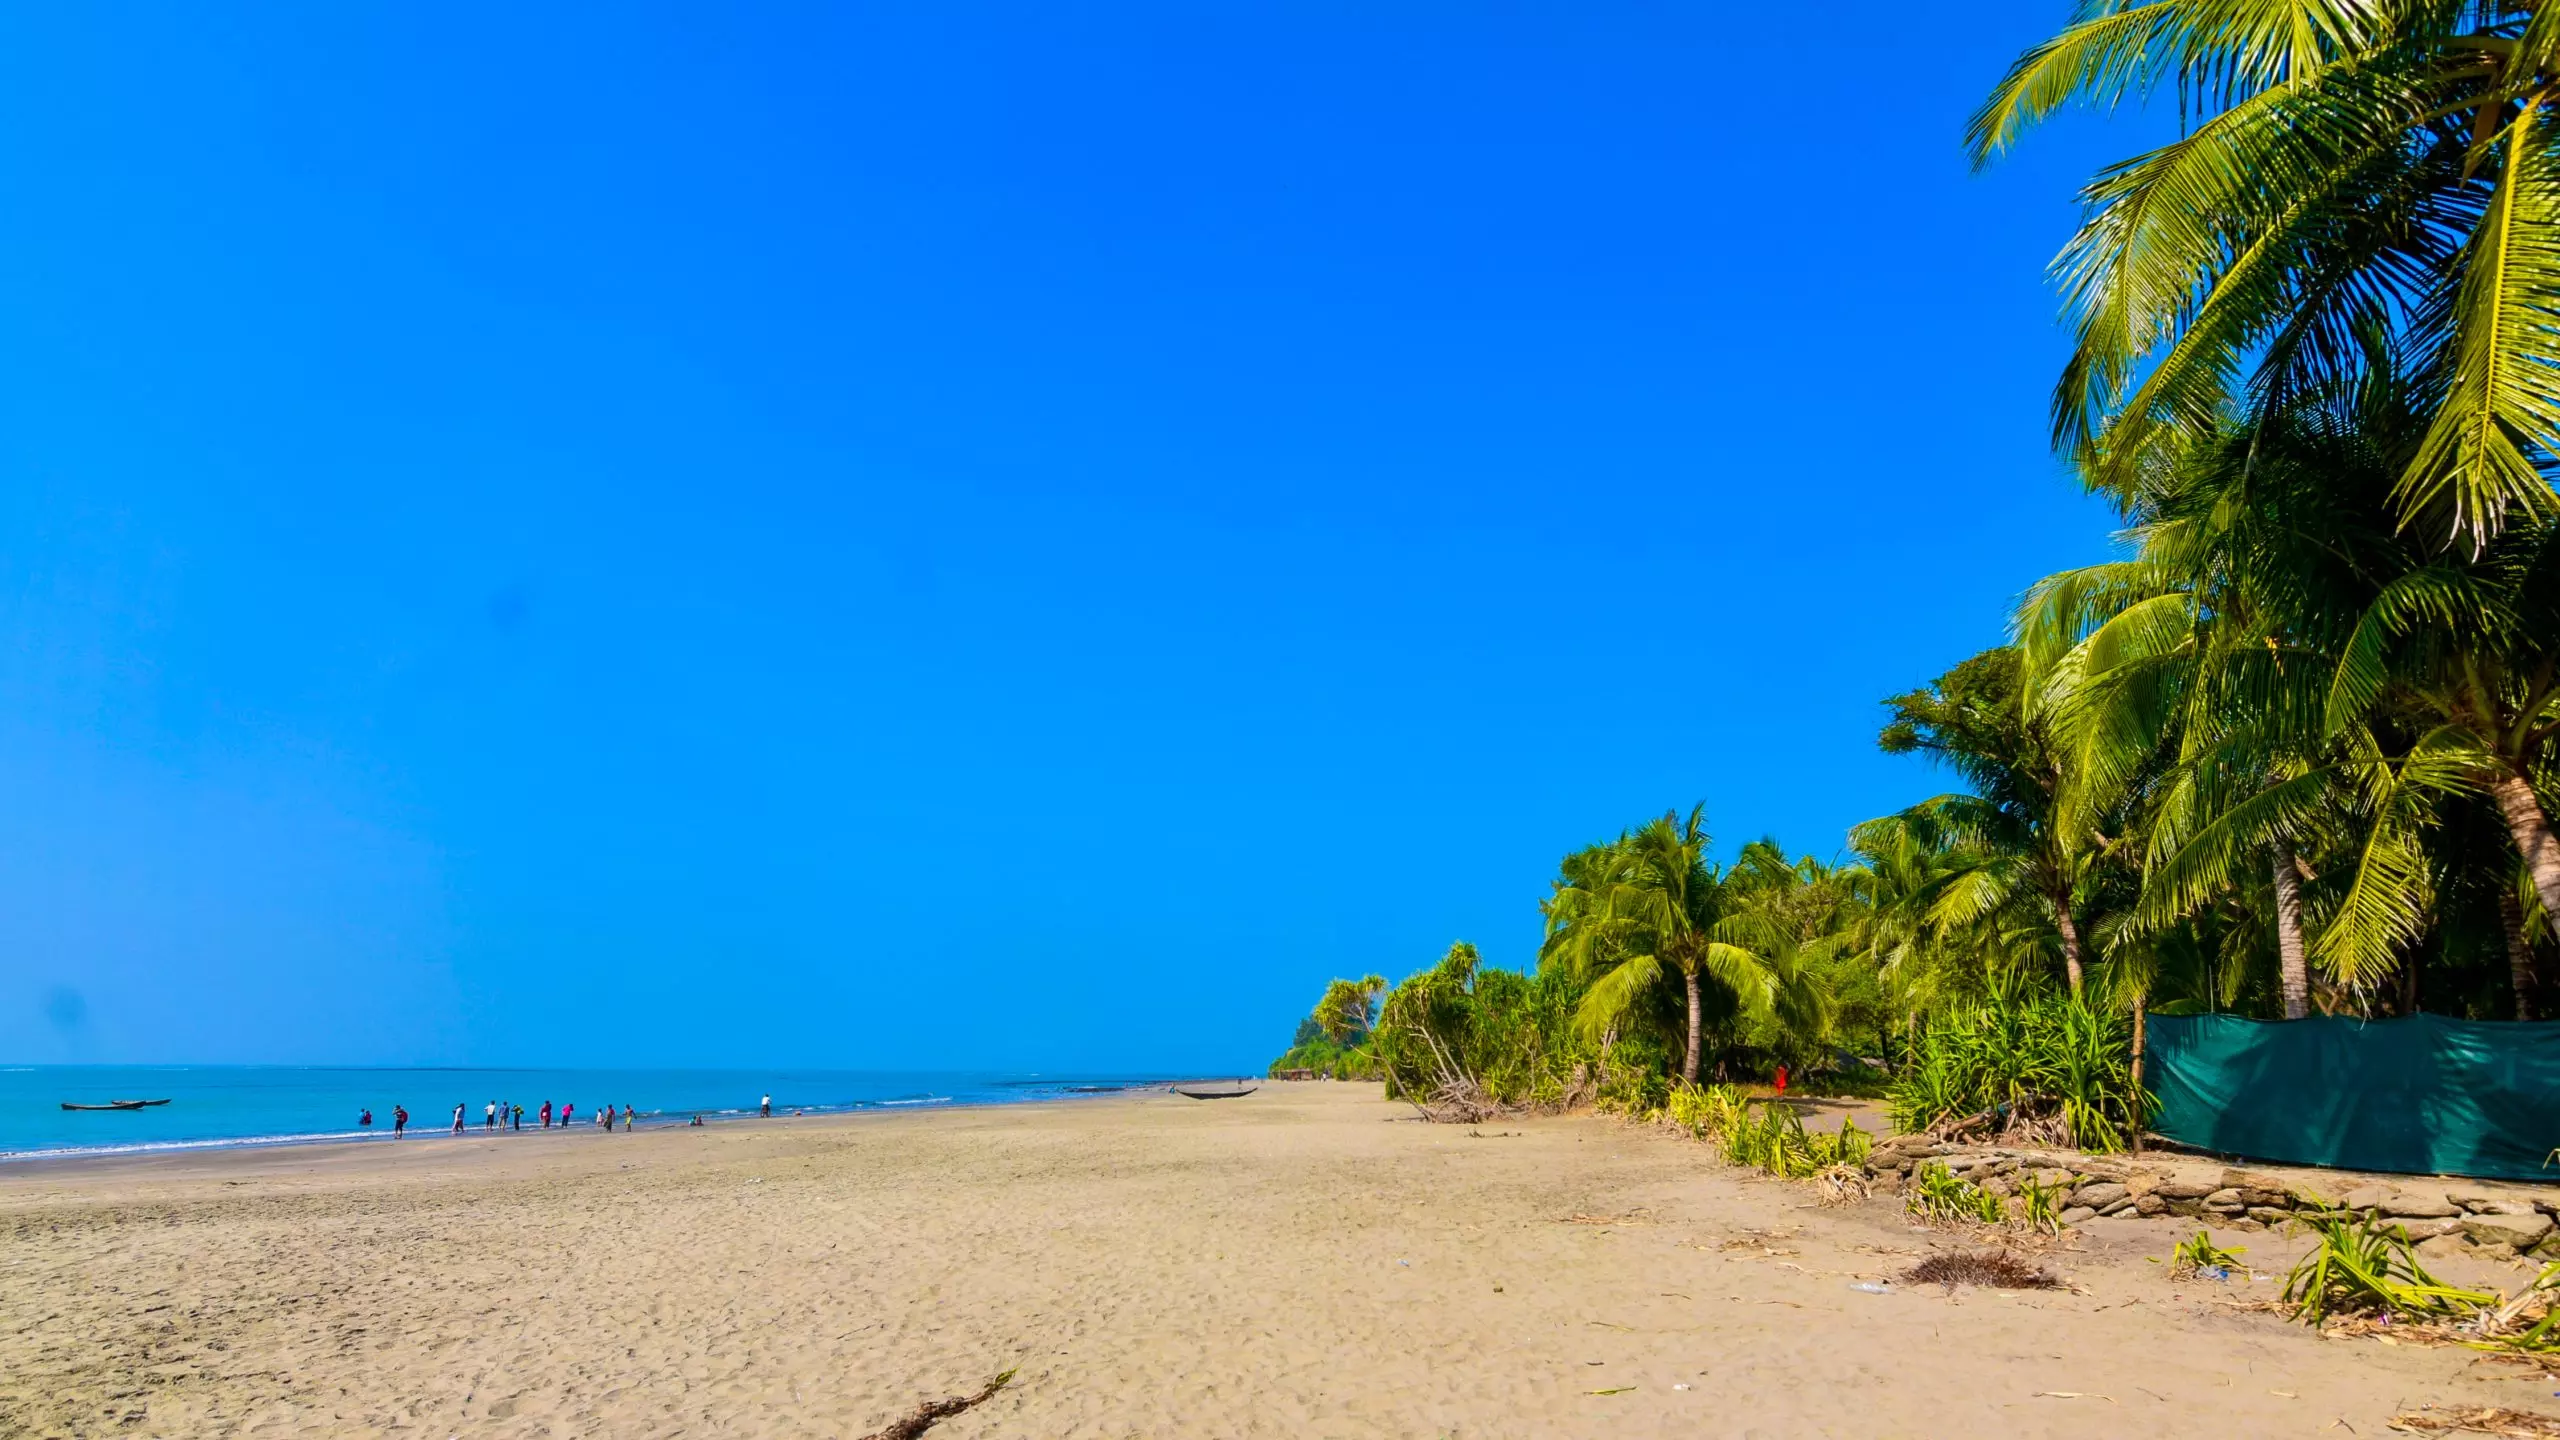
(2423, 1095)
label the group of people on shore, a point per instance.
(506, 1115)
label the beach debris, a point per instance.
(922, 1418)
(1839, 1185)
(2481, 1420)
(1637, 1216)
(1872, 1287)
(1612, 1390)
(2075, 1395)
(1992, 1269)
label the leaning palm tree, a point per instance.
(1630, 914)
(2353, 163)
(2469, 655)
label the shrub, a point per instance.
(2039, 1207)
(2360, 1268)
(2048, 1069)
(1938, 1193)
(1464, 1041)
(2198, 1255)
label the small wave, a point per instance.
(920, 1100)
(226, 1142)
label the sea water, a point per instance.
(219, 1105)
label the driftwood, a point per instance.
(922, 1418)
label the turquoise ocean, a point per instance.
(224, 1105)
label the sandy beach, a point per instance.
(1304, 1262)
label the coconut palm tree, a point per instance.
(2251, 653)
(2186, 685)
(2468, 654)
(1630, 914)
(2353, 164)
(2012, 867)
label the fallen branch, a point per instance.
(922, 1418)
(2512, 1424)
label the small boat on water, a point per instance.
(1227, 1091)
(115, 1105)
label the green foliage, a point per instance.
(1648, 913)
(1324, 1057)
(1937, 1193)
(1773, 1139)
(1333, 1039)
(1488, 1037)
(1348, 1009)
(2049, 1067)
(2198, 1255)
(1709, 1112)
(2347, 162)
(2360, 1268)
(2039, 1206)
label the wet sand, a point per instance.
(1304, 1262)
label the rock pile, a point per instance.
(2447, 1217)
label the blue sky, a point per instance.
(966, 534)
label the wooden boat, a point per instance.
(1213, 1092)
(115, 1105)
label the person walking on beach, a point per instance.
(457, 1117)
(626, 1117)
(766, 1109)
(519, 1117)
(489, 1116)
(567, 1110)
(399, 1120)
(546, 1114)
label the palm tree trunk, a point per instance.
(1689, 1063)
(2519, 950)
(2070, 943)
(2534, 840)
(2292, 968)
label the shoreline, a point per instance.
(19, 1161)
(680, 1118)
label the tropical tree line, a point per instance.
(2296, 749)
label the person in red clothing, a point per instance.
(1782, 1079)
(546, 1114)
(399, 1120)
